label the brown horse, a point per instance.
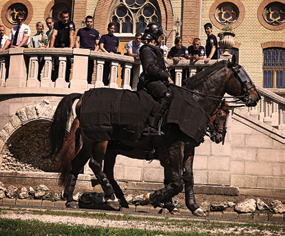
(207, 88)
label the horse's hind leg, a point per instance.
(99, 151)
(77, 164)
(109, 163)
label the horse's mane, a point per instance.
(202, 76)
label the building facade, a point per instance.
(258, 25)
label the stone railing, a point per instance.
(19, 68)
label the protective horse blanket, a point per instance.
(121, 114)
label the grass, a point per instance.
(8, 227)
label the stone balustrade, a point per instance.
(19, 69)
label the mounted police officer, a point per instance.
(154, 78)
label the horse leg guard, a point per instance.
(168, 203)
(191, 202)
(112, 200)
(68, 191)
(119, 193)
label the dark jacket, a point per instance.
(153, 64)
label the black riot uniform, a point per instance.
(155, 77)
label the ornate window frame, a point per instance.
(52, 4)
(237, 3)
(134, 12)
(5, 8)
(262, 21)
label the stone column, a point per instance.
(127, 76)
(99, 73)
(267, 111)
(281, 126)
(34, 67)
(60, 81)
(80, 68)
(178, 76)
(192, 71)
(2, 71)
(261, 114)
(136, 75)
(275, 115)
(46, 80)
(114, 74)
(17, 69)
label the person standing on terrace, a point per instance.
(4, 39)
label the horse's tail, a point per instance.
(60, 118)
(69, 151)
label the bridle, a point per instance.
(214, 128)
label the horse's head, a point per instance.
(241, 86)
(218, 128)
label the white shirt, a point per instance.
(165, 50)
(4, 39)
(24, 31)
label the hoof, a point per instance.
(199, 212)
(175, 211)
(146, 199)
(72, 204)
(115, 204)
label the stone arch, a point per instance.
(103, 7)
(38, 116)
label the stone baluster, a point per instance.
(17, 77)
(281, 126)
(267, 111)
(46, 80)
(275, 115)
(253, 112)
(136, 74)
(178, 76)
(99, 73)
(192, 71)
(80, 68)
(261, 114)
(60, 81)
(2, 71)
(34, 70)
(127, 76)
(114, 74)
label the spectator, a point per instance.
(20, 34)
(88, 38)
(40, 40)
(163, 46)
(196, 51)
(50, 24)
(4, 39)
(63, 36)
(177, 53)
(133, 47)
(211, 43)
(108, 43)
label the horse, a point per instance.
(216, 131)
(207, 89)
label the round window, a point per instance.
(14, 10)
(274, 13)
(226, 13)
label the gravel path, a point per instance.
(197, 226)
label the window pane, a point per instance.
(140, 2)
(121, 11)
(130, 2)
(127, 26)
(117, 25)
(148, 11)
(141, 25)
(154, 19)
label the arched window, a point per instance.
(131, 16)
(274, 68)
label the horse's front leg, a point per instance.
(109, 163)
(176, 154)
(99, 151)
(189, 183)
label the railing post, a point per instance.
(34, 70)
(178, 76)
(46, 80)
(281, 126)
(192, 71)
(261, 114)
(99, 73)
(114, 74)
(267, 111)
(253, 112)
(2, 71)
(80, 68)
(275, 114)
(60, 81)
(136, 75)
(18, 77)
(127, 76)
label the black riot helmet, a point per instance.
(152, 31)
